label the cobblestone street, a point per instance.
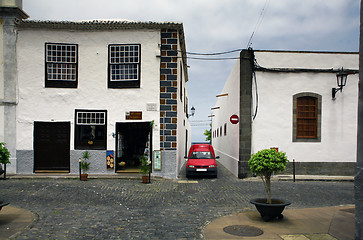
(164, 209)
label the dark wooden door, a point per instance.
(52, 146)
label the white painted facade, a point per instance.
(273, 124)
(226, 145)
(37, 103)
(59, 104)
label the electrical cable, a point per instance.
(256, 105)
(212, 54)
(213, 59)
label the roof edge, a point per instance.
(295, 51)
(96, 24)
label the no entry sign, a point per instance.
(234, 119)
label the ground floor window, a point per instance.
(90, 129)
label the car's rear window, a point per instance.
(201, 155)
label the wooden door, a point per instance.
(51, 146)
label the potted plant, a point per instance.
(4, 158)
(85, 165)
(144, 169)
(264, 163)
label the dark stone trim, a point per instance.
(171, 65)
(165, 71)
(172, 41)
(322, 168)
(245, 125)
(168, 89)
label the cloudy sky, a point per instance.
(221, 25)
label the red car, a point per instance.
(201, 161)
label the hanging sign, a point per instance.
(234, 119)
(133, 115)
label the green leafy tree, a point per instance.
(264, 163)
(4, 154)
(208, 135)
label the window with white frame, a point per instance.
(124, 65)
(61, 62)
(90, 129)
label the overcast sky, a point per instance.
(221, 25)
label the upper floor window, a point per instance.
(61, 65)
(307, 117)
(124, 66)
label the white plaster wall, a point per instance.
(38, 103)
(183, 121)
(227, 147)
(274, 122)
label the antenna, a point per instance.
(259, 21)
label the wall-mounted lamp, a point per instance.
(341, 81)
(192, 112)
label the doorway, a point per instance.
(51, 146)
(132, 141)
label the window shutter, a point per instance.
(306, 117)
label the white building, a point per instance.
(112, 87)
(283, 100)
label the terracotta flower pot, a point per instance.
(270, 211)
(145, 179)
(84, 177)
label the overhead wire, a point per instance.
(259, 21)
(216, 53)
(213, 59)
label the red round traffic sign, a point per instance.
(234, 119)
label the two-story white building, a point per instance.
(113, 87)
(284, 100)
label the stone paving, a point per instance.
(164, 209)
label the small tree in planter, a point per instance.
(144, 169)
(264, 163)
(4, 157)
(85, 165)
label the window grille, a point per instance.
(61, 62)
(90, 118)
(124, 62)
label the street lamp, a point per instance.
(192, 110)
(341, 81)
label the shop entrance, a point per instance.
(132, 141)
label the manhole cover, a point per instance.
(243, 230)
